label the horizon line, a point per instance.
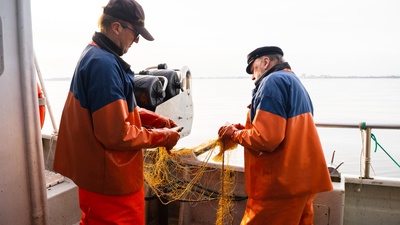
(244, 76)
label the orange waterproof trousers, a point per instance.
(100, 209)
(294, 211)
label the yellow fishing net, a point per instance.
(179, 176)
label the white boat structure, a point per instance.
(31, 193)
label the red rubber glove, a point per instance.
(161, 122)
(227, 131)
(151, 119)
(172, 137)
(238, 126)
(172, 123)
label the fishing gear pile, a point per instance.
(178, 176)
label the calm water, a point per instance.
(340, 100)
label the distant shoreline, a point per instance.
(335, 77)
(304, 77)
(247, 77)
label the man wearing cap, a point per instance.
(102, 130)
(284, 161)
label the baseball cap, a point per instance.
(130, 11)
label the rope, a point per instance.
(376, 147)
(225, 204)
(174, 176)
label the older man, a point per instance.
(284, 162)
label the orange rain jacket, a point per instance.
(283, 153)
(101, 136)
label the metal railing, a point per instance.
(363, 126)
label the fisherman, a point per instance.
(102, 130)
(284, 161)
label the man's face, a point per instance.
(128, 36)
(259, 67)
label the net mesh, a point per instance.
(178, 175)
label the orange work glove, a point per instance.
(238, 126)
(151, 119)
(225, 132)
(161, 122)
(172, 123)
(172, 137)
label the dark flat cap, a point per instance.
(257, 53)
(130, 11)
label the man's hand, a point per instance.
(172, 137)
(226, 131)
(162, 121)
(238, 126)
(177, 129)
(172, 124)
(225, 134)
(151, 119)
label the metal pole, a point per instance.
(367, 153)
(33, 143)
(39, 74)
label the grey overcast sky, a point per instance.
(213, 37)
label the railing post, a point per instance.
(366, 141)
(367, 153)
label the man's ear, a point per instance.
(266, 63)
(116, 27)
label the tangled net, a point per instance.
(179, 176)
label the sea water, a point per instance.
(336, 100)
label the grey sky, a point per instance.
(213, 37)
